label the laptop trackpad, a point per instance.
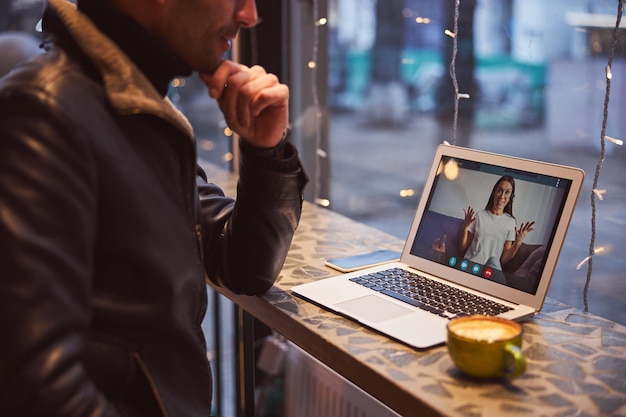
(372, 308)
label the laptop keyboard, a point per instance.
(426, 294)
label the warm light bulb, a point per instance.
(450, 33)
(613, 140)
(451, 170)
(324, 202)
(599, 193)
(207, 145)
(178, 82)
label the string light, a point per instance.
(596, 251)
(613, 140)
(321, 154)
(583, 262)
(451, 170)
(324, 202)
(599, 193)
(453, 69)
(207, 145)
(178, 82)
(596, 193)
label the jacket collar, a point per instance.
(128, 90)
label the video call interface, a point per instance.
(461, 185)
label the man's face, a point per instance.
(201, 31)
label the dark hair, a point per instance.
(509, 206)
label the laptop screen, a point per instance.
(490, 221)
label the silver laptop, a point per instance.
(439, 277)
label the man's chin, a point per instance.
(210, 69)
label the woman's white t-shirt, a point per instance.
(490, 233)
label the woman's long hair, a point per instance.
(509, 206)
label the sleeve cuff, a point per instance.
(282, 157)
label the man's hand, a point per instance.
(254, 103)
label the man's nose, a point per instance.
(246, 13)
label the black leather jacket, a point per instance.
(104, 243)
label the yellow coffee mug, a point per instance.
(486, 347)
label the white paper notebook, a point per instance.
(460, 179)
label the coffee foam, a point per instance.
(484, 330)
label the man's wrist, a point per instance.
(275, 152)
(281, 157)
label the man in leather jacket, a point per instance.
(108, 229)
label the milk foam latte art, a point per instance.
(484, 330)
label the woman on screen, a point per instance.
(490, 237)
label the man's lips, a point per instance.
(226, 43)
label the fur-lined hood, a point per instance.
(128, 90)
